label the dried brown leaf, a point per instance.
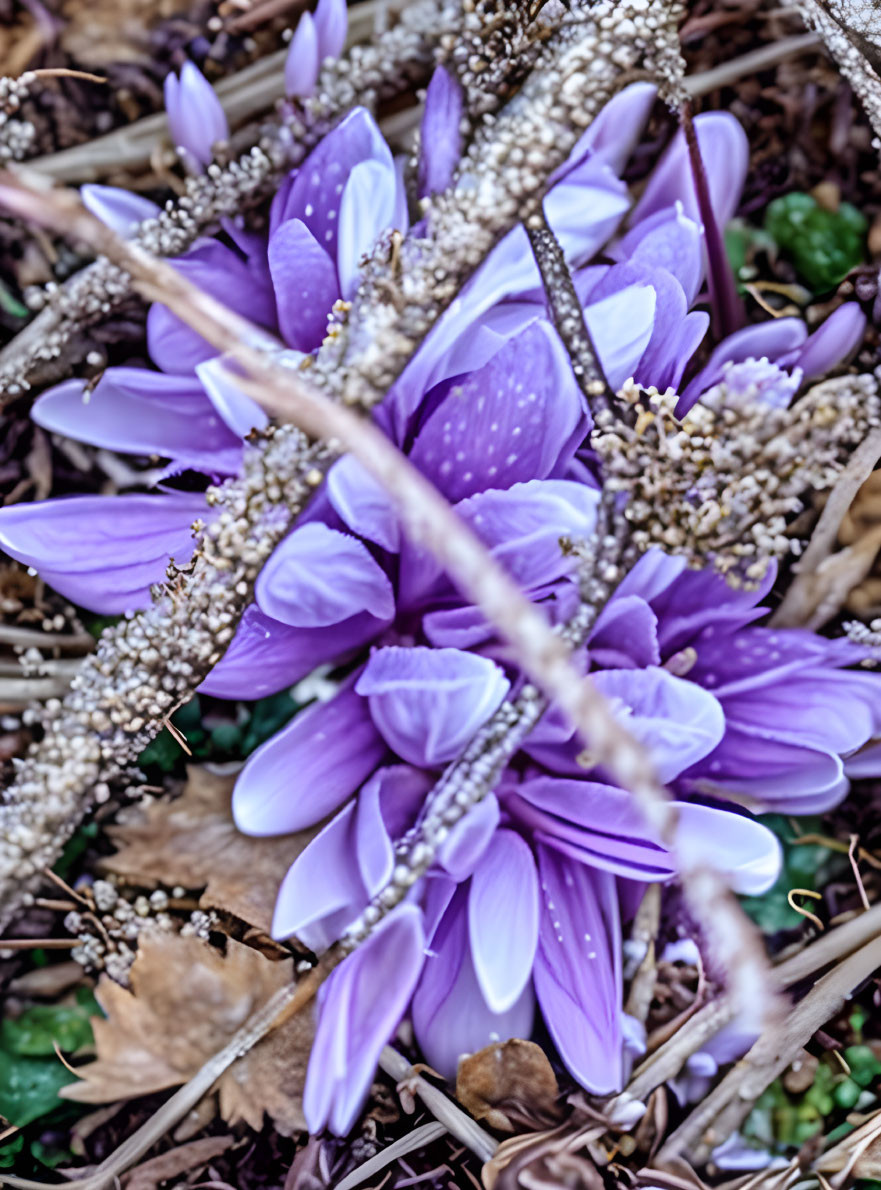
(499, 1076)
(186, 1002)
(151, 1174)
(193, 842)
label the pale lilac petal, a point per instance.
(101, 552)
(658, 362)
(309, 768)
(136, 411)
(677, 721)
(615, 133)
(621, 327)
(441, 138)
(195, 115)
(313, 192)
(428, 703)
(363, 504)
(121, 210)
(238, 411)
(835, 339)
(360, 1008)
(368, 207)
(743, 850)
(625, 633)
(577, 969)
(503, 919)
(668, 240)
(467, 841)
(865, 763)
(302, 63)
(520, 417)
(450, 1015)
(725, 153)
(318, 576)
(305, 283)
(331, 24)
(584, 209)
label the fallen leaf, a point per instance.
(193, 842)
(186, 1002)
(490, 1082)
(166, 1166)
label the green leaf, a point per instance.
(823, 245)
(29, 1086)
(267, 717)
(10, 304)
(33, 1033)
(805, 865)
(9, 1151)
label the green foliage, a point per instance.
(823, 245)
(805, 865)
(10, 1150)
(31, 1074)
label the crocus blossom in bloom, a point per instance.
(196, 118)
(523, 909)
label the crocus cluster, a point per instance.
(523, 910)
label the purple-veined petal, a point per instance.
(428, 703)
(331, 24)
(441, 138)
(450, 1015)
(621, 326)
(517, 418)
(266, 656)
(725, 154)
(743, 850)
(577, 969)
(359, 1011)
(469, 838)
(363, 503)
(238, 411)
(101, 553)
(658, 360)
(864, 763)
(318, 576)
(368, 207)
(302, 63)
(585, 208)
(136, 411)
(668, 240)
(305, 283)
(614, 134)
(308, 768)
(625, 633)
(503, 919)
(120, 209)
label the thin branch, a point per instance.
(804, 599)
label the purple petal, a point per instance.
(865, 763)
(360, 1008)
(577, 969)
(469, 838)
(239, 412)
(220, 272)
(367, 208)
(441, 138)
(266, 656)
(450, 1015)
(666, 240)
(517, 418)
(621, 327)
(314, 191)
(302, 63)
(745, 851)
(503, 919)
(331, 24)
(318, 576)
(305, 282)
(136, 411)
(840, 334)
(428, 703)
(309, 768)
(119, 209)
(676, 720)
(585, 208)
(659, 361)
(363, 504)
(195, 115)
(100, 552)
(766, 339)
(615, 133)
(725, 152)
(626, 633)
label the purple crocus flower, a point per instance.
(315, 38)
(196, 118)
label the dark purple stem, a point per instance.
(725, 305)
